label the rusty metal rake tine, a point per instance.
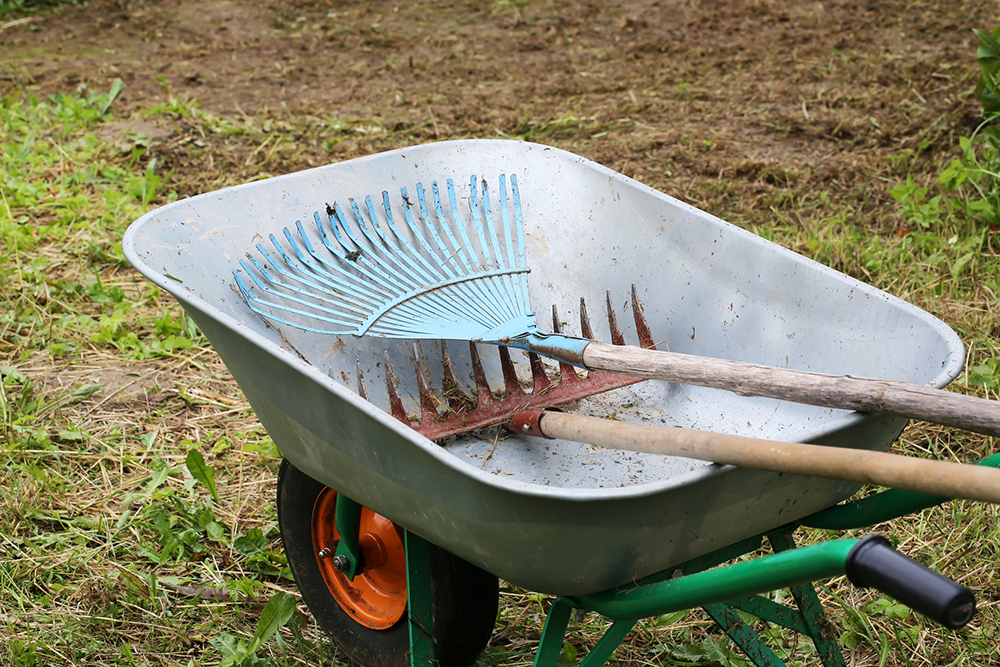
(484, 394)
(428, 407)
(512, 385)
(457, 399)
(539, 380)
(617, 338)
(567, 373)
(641, 325)
(462, 413)
(395, 404)
(362, 392)
(585, 329)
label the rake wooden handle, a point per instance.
(845, 392)
(939, 478)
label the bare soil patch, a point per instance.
(736, 106)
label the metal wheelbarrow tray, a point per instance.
(554, 516)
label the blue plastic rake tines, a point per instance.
(439, 277)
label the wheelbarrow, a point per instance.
(398, 514)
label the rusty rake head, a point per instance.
(452, 411)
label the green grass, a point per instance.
(134, 473)
(15, 7)
(106, 525)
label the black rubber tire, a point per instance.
(464, 597)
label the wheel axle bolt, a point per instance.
(325, 553)
(341, 563)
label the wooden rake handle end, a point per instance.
(939, 478)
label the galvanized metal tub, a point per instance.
(552, 516)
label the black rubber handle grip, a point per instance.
(873, 563)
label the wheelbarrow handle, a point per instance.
(939, 478)
(873, 563)
(868, 562)
(843, 392)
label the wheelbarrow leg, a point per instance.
(811, 610)
(607, 644)
(418, 594)
(554, 633)
(809, 619)
(743, 635)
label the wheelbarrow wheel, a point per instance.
(367, 618)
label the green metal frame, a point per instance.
(720, 591)
(347, 517)
(779, 570)
(418, 601)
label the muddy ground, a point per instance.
(747, 109)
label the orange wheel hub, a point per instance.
(377, 597)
